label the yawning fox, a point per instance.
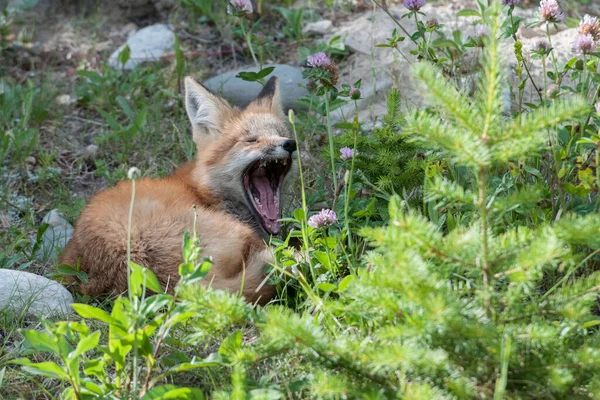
(243, 160)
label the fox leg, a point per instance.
(251, 280)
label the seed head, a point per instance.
(510, 2)
(133, 173)
(584, 44)
(319, 59)
(239, 7)
(550, 11)
(553, 90)
(432, 23)
(346, 153)
(481, 30)
(589, 26)
(414, 5)
(542, 46)
(354, 93)
(324, 218)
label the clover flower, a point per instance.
(510, 2)
(550, 11)
(239, 7)
(346, 153)
(319, 59)
(432, 23)
(542, 46)
(584, 44)
(553, 90)
(481, 30)
(322, 219)
(414, 5)
(589, 26)
(354, 93)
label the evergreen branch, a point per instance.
(449, 192)
(462, 147)
(491, 99)
(525, 197)
(527, 134)
(445, 94)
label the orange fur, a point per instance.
(163, 208)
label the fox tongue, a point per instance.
(269, 203)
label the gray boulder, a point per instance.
(321, 27)
(240, 93)
(147, 44)
(33, 294)
(56, 237)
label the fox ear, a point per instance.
(269, 97)
(205, 110)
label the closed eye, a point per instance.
(251, 140)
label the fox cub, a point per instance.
(243, 160)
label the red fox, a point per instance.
(243, 160)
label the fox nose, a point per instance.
(289, 146)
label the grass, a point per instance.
(138, 119)
(47, 163)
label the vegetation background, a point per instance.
(442, 243)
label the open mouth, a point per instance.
(262, 182)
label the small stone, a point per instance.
(31, 161)
(56, 237)
(24, 292)
(321, 27)
(90, 151)
(240, 92)
(147, 44)
(65, 100)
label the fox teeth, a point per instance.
(257, 200)
(284, 161)
(263, 163)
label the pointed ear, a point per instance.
(206, 110)
(269, 97)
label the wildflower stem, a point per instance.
(248, 38)
(514, 36)
(303, 223)
(395, 21)
(331, 149)
(552, 53)
(132, 299)
(483, 213)
(349, 185)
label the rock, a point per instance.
(147, 44)
(56, 237)
(65, 99)
(322, 27)
(90, 151)
(31, 161)
(241, 93)
(33, 294)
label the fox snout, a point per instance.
(289, 146)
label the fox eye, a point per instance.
(251, 140)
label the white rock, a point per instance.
(31, 161)
(322, 27)
(90, 151)
(65, 99)
(147, 44)
(56, 236)
(36, 295)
